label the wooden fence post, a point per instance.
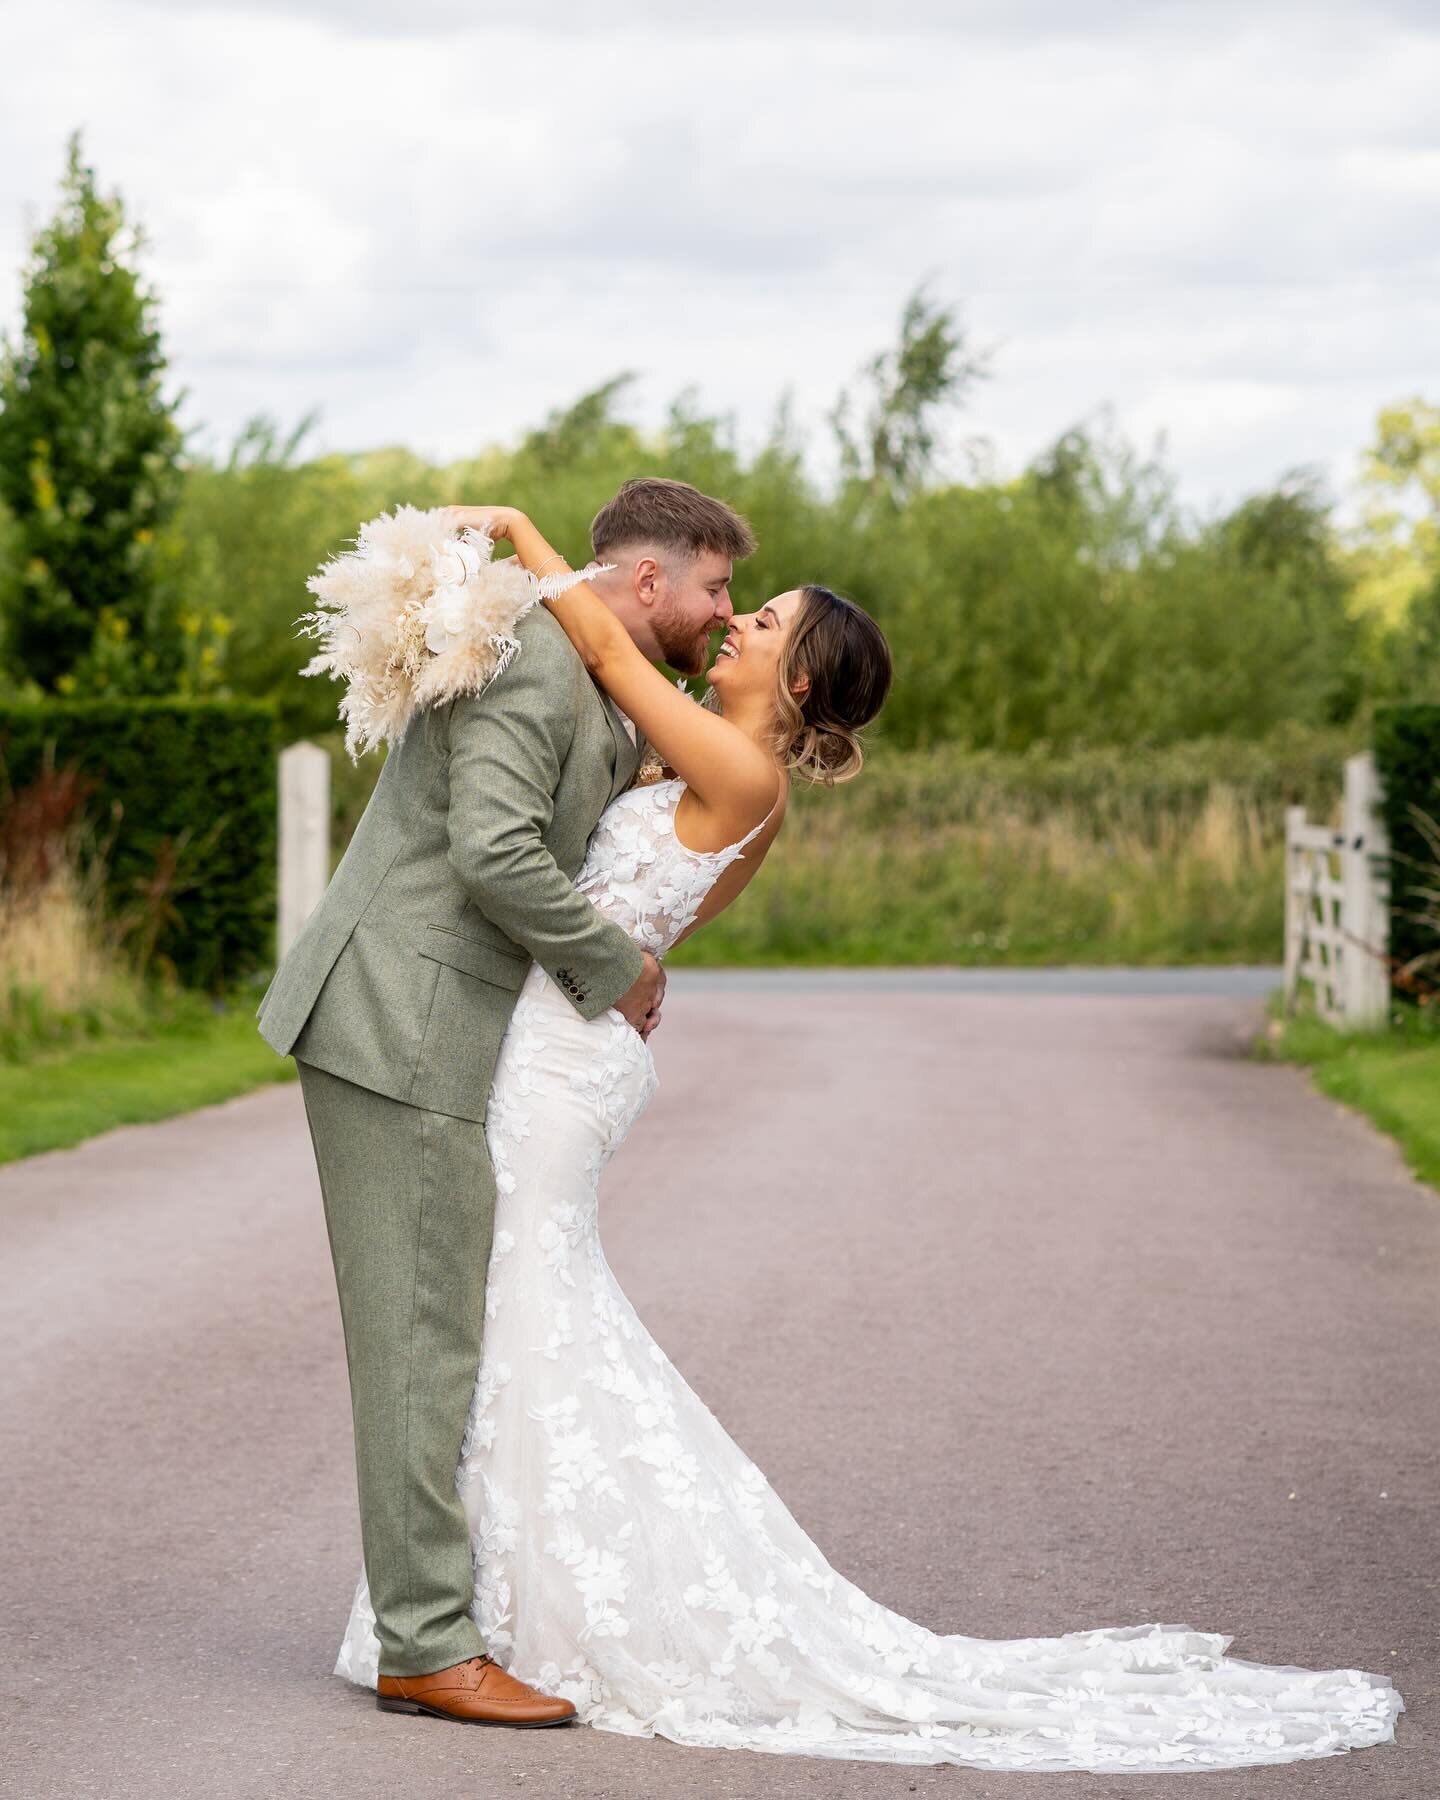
(304, 837)
(1294, 918)
(1365, 972)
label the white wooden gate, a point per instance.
(1337, 920)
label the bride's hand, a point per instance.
(494, 521)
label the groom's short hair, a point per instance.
(673, 516)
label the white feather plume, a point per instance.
(415, 616)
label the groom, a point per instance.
(394, 1000)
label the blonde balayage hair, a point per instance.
(844, 660)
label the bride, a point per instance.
(628, 1555)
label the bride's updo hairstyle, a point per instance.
(842, 653)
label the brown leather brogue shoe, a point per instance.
(478, 1692)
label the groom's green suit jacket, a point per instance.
(459, 875)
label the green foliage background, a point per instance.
(1073, 605)
(1103, 699)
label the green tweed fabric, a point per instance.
(394, 1000)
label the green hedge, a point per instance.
(195, 778)
(1407, 756)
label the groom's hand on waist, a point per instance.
(640, 1003)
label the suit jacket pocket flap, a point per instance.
(504, 968)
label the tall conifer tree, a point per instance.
(89, 458)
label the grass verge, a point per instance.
(1392, 1077)
(53, 1102)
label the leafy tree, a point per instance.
(892, 451)
(1395, 553)
(1410, 653)
(1244, 624)
(89, 459)
(1406, 455)
(256, 524)
(1117, 503)
(583, 433)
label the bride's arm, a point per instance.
(729, 774)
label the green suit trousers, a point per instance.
(410, 1207)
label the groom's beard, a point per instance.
(684, 646)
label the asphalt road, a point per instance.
(1043, 1311)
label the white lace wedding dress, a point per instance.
(631, 1557)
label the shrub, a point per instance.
(1407, 755)
(182, 793)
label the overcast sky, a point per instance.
(433, 223)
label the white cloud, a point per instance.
(1215, 218)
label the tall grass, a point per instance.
(1002, 885)
(62, 976)
(1174, 856)
(68, 971)
(949, 855)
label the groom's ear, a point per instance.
(648, 580)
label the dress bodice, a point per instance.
(638, 873)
